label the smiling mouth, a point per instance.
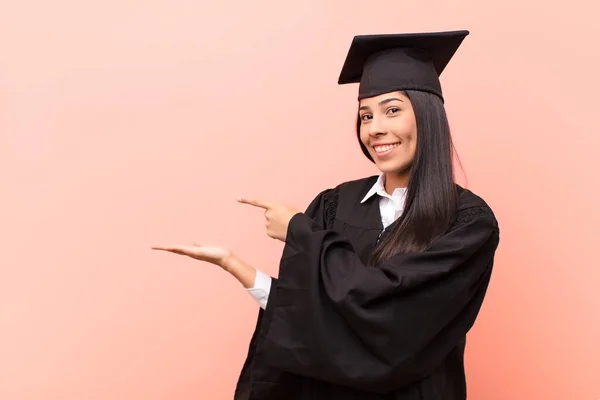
(386, 148)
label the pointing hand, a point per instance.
(277, 216)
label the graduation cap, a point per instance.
(389, 62)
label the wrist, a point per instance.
(229, 262)
(236, 267)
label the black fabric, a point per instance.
(336, 328)
(408, 61)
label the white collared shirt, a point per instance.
(390, 207)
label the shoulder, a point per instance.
(471, 206)
(355, 189)
(324, 205)
(352, 188)
(360, 184)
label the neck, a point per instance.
(395, 180)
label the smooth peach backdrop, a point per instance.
(125, 124)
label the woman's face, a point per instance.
(388, 130)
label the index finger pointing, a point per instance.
(255, 202)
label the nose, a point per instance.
(376, 127)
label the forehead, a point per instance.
(373, 101)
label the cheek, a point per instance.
(364, 136)
(405, 129)
(411, 139)
(412, 143)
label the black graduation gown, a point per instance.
(335, 328)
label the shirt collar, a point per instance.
(379, 188)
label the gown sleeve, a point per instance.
(376, 328)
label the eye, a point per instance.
(365, 117)
(392, 110)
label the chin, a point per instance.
(393, 167)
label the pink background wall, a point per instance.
(126, 124)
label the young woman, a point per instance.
(381, 278)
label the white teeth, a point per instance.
(381, 149)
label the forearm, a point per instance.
(256, 282)
(242, 271)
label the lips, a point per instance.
(385, 148)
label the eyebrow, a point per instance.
(382, 102)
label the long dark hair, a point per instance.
(431, 197)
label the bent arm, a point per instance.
(257, 283)
(376, 328)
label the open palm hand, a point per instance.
(212, 254)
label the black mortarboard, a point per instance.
(409, 61)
